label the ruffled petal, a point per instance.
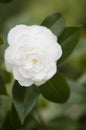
(25, 82)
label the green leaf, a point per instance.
(56, 89)
(2, 86)
(68, 40)
(24, 99)
(1, 41)
(12, 121)
(55, 23)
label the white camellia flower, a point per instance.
(32, 54)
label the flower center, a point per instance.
(34, 61)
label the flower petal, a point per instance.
(25, 82)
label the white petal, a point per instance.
(54, 51)
(26, 82)
(10, 54)
(38, 76)
(23, 81)
(51, 71)
(15, 33)
(16, 73)
(59, 51)
(38, 83)
(9, 66)
(24, 72)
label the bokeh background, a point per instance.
(71, 115)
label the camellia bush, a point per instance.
(34, 56)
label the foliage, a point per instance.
(24, 99)
(24, 112)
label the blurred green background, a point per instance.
(71, 115)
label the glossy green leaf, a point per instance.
(68, 40)
(2, 86)
(12, 121)
(24, 99)
(55, 23)
(1, 41)
(56, 89)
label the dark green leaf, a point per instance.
(55, 23)
(68, 40)
(12, 121)
(2, 86)
(24, 99)
(1, 41)
(56, 89)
